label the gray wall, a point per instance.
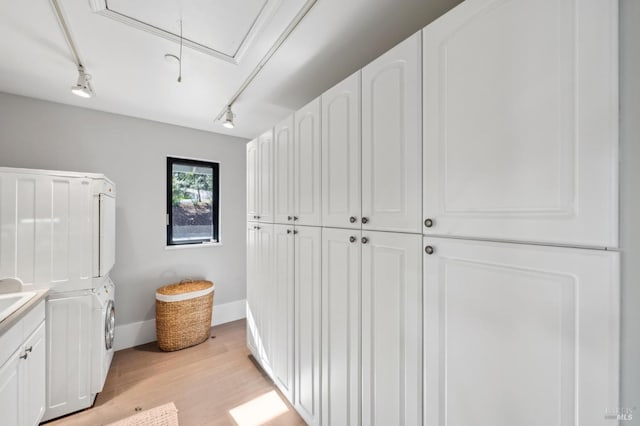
(132, 152)
(630, 204)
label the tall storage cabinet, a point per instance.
(308, 246)
(283, 146)
(391, 139)
(341, 155)
(307, 166)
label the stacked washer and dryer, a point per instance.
(57, 231)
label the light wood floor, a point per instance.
(206, 383)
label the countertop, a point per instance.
(16, 316)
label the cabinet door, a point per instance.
(252, 180)
(391, 139)
(519, 334)
(282, 309)
(266, 295)
(10, 389)
(33, 378)
(308, 246)
(308, 152)
(283, 171)
(341, 155)
(341, 295)
(253, 288)
(391, 329)
(520, 121)
(265, 177)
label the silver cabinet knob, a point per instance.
(29, 349)
(288, 231)
(257, 227)
(289, 217)
(429, 250)
(24, 355)
(295, 232)
(352, 219)
(364, 240)
(352, 239)
(295, 218)
(365, 220)
(428, 222)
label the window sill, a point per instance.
(192, 246)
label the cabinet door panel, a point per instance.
(283, 308)
(391, 329)
(252, 180)
(10, 390)
(341, 296)
(266, 295)
(308, 196)
(253, 290)
(341, 154)
(34, 377)
(502, 317)
(284, 170)
(391, 139)
(265, 179)
(520, 121)
(308, 265)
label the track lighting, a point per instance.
(228, 118)
(82, 87)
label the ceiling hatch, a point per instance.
(220, 28)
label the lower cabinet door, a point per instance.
(391, 329)
(307, 323)
(10, 390)
(33, 372)
(266, 295)
(252, 288)
(341, 293)
(519, 334)
(282, 309)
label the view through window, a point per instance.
(192, 201)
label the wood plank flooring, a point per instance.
(214, 383)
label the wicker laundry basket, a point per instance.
(183, 314)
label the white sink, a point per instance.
(11, 302)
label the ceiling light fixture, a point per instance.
(228, 118)
(82, 87)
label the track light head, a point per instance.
(82, 87)
(228, 118)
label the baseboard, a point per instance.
(139, 333)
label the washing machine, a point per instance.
(104, 317)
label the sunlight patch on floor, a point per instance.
(259, 410)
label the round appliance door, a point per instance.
(109, 325)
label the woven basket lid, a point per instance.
(184, 287)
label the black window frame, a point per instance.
(215, 207)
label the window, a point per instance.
(192, 201)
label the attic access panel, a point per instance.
(223, 29)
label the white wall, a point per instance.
(630, 204)
(132, 152)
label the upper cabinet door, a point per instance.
(283, 171)
(515, 328)
(520, 121)
(308, 196)
(265, 177)
(252, 180)
(341, 155)
(391, 329)
(391, 139)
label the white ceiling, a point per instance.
(125, 56)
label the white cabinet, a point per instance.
(391, 329)
(22, 370)
(260, 293)
(520, 122)
(307, 165)
(282, 309)
(519, 334)
(308, 246)
(341, 322)
(252, 180)
(265, 177)
(391, 139)
(341, 155)
(283, 146)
